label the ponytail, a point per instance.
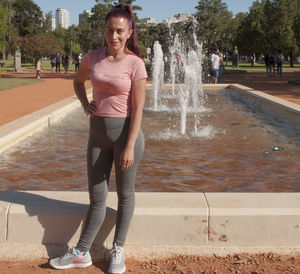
(123, 10)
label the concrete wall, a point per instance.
(163, 223)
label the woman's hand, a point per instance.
(90, 109)
(127, 158)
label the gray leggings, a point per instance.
(107, 139)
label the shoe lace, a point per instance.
(115, 253)
(69, 253)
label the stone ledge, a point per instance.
(205, 223)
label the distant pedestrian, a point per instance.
(58, 61)
(179, 70)
(38, 68)
(279, 59)
(221, 66)
(272, 64)
(267, 63)
(66, 63)
(214, 67)
(63, 61)
(53, 63)
(252, 60)
(76, 62)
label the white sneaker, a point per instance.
(72, 259)
(117, 257)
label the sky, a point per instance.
(158, 9)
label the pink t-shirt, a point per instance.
(112, 82)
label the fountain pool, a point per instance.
(233, 143)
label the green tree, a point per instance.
(284, 34)
(28, 17)
(114, 2)
(213, 20)
(271, 25)
(35, 46)
(59, 34)
(250, 37)
(92, 31)
(296, 25)
(3, 28)
(129, 2)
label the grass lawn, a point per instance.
(258, 67)
(243, 67)
(9, 66)
(7, 83)
(295, 82)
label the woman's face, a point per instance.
(117, 32)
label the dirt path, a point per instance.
(20, 101)
(276, 86)
(242, 263)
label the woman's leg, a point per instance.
(125, 181)
(99, 163)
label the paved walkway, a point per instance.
(276, 86)
(20, 101)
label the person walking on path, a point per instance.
(76, 62)
(279, 59)
(58, 60)
(267, 63)
(38, 68)
(53, 63)
(214, 66)
(221, 66)
(66, 63)
(272, 64)
(118, 77)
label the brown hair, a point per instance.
(125, 11)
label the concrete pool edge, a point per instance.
(163, 224)
(284, 104)
(13, 132)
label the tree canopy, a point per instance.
(35, 46)
(268, 26)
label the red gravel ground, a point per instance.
(17, 102)
(238, 263)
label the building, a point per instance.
(148, 21)
(53, 23)
(62, 17)
(180, 17)
(84, 14)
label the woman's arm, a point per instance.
(138, 101)
(80, 91)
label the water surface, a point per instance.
(230, 147)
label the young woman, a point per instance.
(118, 76)
(38, 68)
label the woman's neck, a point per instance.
(115, 55)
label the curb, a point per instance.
(163, 224)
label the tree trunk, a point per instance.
(3, 53)
(291, 59)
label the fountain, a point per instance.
(186, 71)
(158, 73)
(197, 140)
